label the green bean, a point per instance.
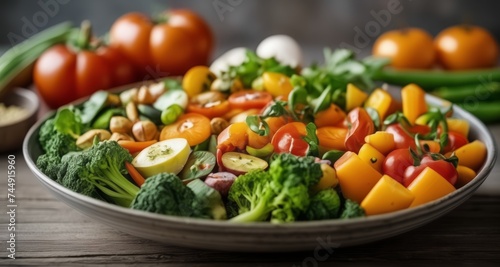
(429, 79)
(487, 112)
(481, 92)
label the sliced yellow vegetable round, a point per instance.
(164, 156)
(236, 162)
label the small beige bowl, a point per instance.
(12, 134)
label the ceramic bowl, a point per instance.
(266, 237)
(12, 134)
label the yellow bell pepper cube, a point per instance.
(356, 177)
(471, 155)
(458, 125)
(414, 105)
(382, 141)
(381, 101)
(428, 186)
(387, 195)
(372, 156)
(465, 175)
(354, 97)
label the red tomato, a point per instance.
(180, 40)
(122, 69)
(444, 168)
(360, 125)
(248, 99)
(396, 162)
(210, 104)
(62, 75)
(288, 139)
(455, 140)
(405, 138)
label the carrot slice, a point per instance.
(193, 127)
(135, 146)
(134, 174)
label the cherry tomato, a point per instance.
(210, 104)
(410, 48)
(404, 137)
(455, 140)
(249, 99)
(466, 47)
(288, 139)
(396, 162)
(360, 125)
(62, 75)
(181, 40)
(444, 168)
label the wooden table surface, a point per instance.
(50, 233)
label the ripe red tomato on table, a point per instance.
(63, 74)
(170, 45)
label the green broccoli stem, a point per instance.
(114, 175)
(259, 213)
(119, 199)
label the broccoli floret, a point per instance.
(352, 210)
(324, 205)
(73, 175)
(292, 177)
(55, 144)
(281, 194)
(250, 196)
(103, 166)
(164, 193)
(49, 164)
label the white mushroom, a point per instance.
(233, 57)
(282, 47)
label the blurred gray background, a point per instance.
(314, 24)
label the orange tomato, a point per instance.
(466, 47)
(234, 136)
(195, 128)
(410, 48)
(331, 138)
(331, 116)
